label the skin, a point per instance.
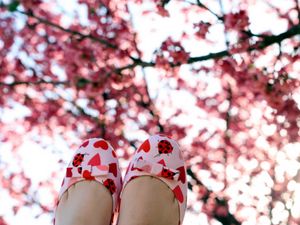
(146, 200)
(85, 202)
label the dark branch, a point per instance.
(209, 56)
(228, 219)
(278, 11)
(267, 41)
(228, 118)
(151, 106)
(164, 3)
(227, 132)
(208, 9)
(33, 83)
(212, 12)
(298, 9)
(201, 5)
(73, 32)
(251, 34)
(225, 31)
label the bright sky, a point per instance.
(36, 163)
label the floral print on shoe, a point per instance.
(160, 156)
(95, 159)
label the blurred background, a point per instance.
(220, 76)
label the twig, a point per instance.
(229, 219)
(298, 9)
(227, 131)
(265, 42)
(278, 11)
(269, 40)
(225, 33)
(70, 31)
(212, 12)
(33, 83)
(208, 9)
(150, 105)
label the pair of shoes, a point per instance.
(159, 156)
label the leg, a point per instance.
(148, 201)
(85, 202)
(155, 187)
(90, 189)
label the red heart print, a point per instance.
(178, 194)
(182, 176)
(101, 144)
(145, 146)
(87, 175)
(135, 168)
(113, 169)
(84, 144)
(162, 162)
(95, 161)
(69, 172)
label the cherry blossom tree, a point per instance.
(237, 122)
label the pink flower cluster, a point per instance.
(170, 52)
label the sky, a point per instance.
(149, 41)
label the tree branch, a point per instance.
(227, 131)
(73, 32)
(212, 12)
(33, 83)
(225, 32)
(278, 11)
(201, 5)
(100, 124)
(267, 41)
(229, 219)
(151, 106)
(297, 7)
(228, 118)
(276, 39)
